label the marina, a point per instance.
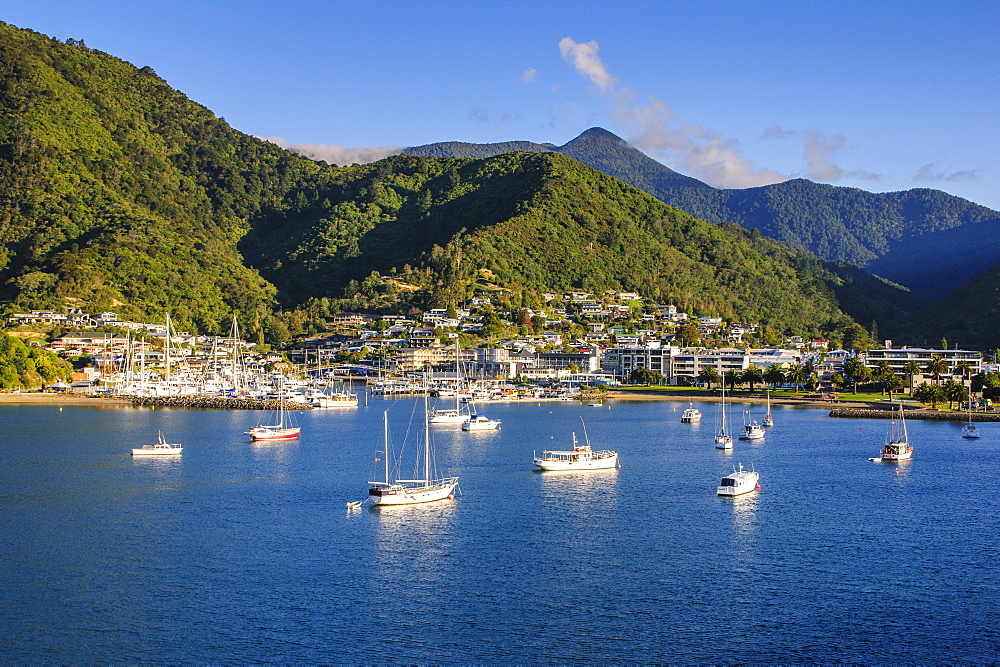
(251, 547)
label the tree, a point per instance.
(797, 374)
(911, 368)
(732, 378)
(753, 375)
(774, 375)
(936, 368)
(954, 391)
(645, 376)
(856, 371)
(688, 335)
(709, 375)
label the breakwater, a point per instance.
(929, 415)
(213, 403)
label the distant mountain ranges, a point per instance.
(119, 193)
(926, 240)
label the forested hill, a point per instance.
(119, 193)
(836, 223)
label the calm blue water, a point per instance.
(240, 552)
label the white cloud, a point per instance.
(819, 152)
(339, 155)
(529, 75)
(654, 128)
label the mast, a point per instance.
(385, 454)
(167, 350)
(427, 438)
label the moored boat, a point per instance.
(581, 457)
(740, 481)
(897, 444)
(480, 423)
(691, 415)
(159, 448)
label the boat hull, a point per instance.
(157, 451)
(412, 495)
(276, 434)
(589, 464)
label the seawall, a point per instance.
(213, 403)
(929, 415)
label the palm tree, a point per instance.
(856, 371)
(797, 374)
(963, 367)
(954, 391)
(892, 382)
(732, 378)
(911, 368)
(753, 375)
(708, 375)
(937, 367)
(774, 375)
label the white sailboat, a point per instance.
(452, 415)
(969, 430)
(394, 491)
(723, 439)
(280, 431)
(768, 421)
(897, 444)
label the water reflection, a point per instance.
(745, 512)
(577, 492)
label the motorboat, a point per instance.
(752, 431)
(159, 448)
(480, 423)
(581, 457)
(739, 482)
(338, 399)
(691, 415)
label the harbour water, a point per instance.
(241, 552)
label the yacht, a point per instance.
(691, 415)
(752, 431)
(480, 423)
(581, 457)
(768, 420)
(723, 440)
(897, 444)
(159, 448)
(739, 482)
(970, 430)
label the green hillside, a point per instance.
(836, 223)
(120, 193)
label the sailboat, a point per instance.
(722, 438)
(767, 418)
(279, 431)
(970, 430)
(394, 491)
(452, 415)
(897, 445)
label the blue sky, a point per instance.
(883, 96)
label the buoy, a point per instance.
(60, 409)
(756, 486)
(897, 472)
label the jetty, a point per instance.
(213, 403)
(928, 415)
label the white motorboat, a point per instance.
(480, 423)
(338, 399)
(897, 444)
(739, 482)
(394, 491)
(691, 415)
(723, 439)
(159, 448)
(581, 457)
(752, 430)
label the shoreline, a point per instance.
(704, 398)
